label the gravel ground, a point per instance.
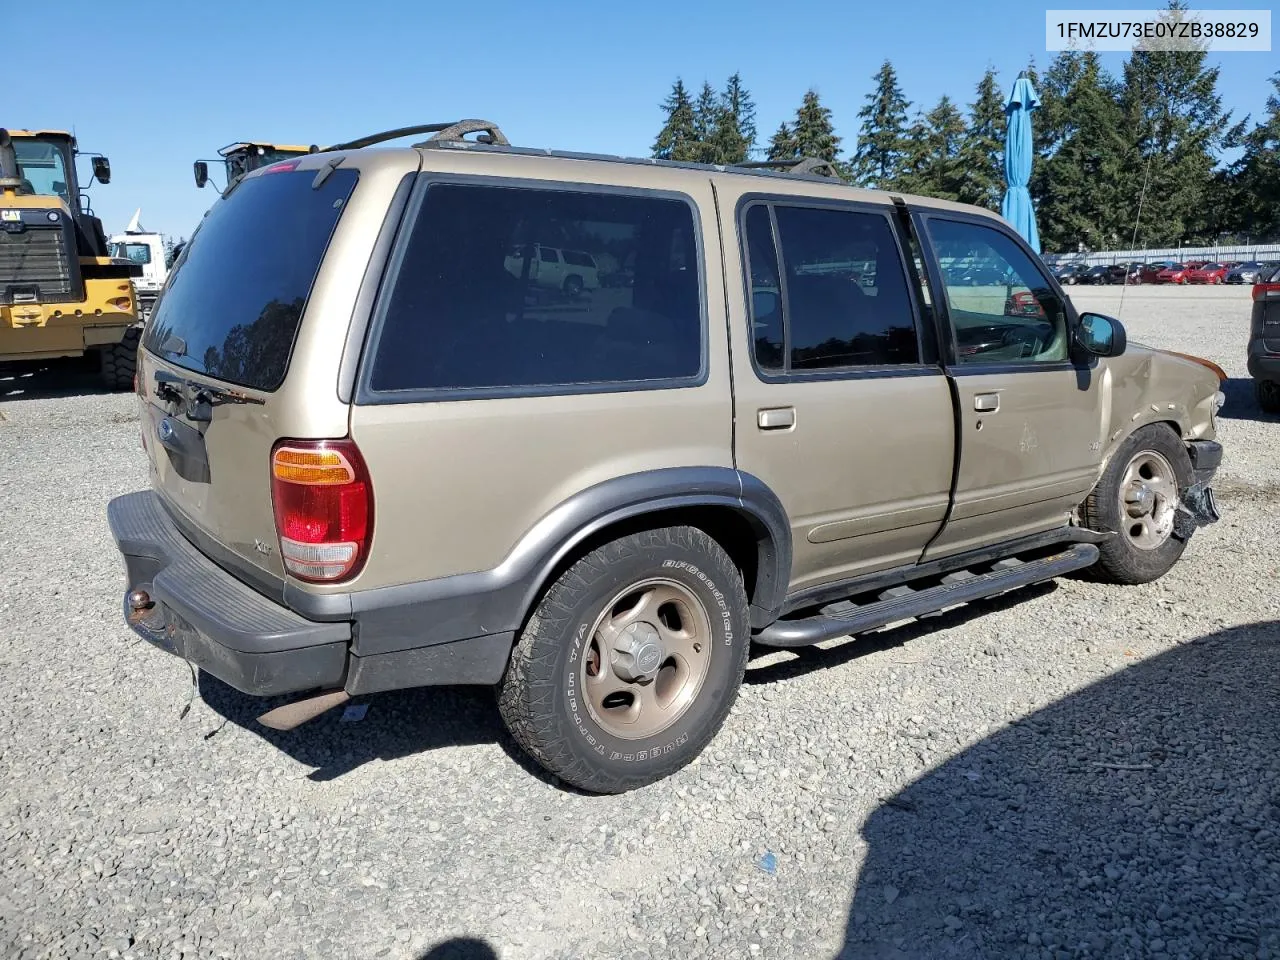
(1075, 770)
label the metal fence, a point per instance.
(1266, 251)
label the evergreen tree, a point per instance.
(782, 146)
(1085, 194)
(1256, 176)
(678, 138)
(706, 121)
(814, 133)
(1173, 114)
(734, 137)
(982, 150)
(880, 138)
(931, 158)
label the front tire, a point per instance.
(1137, 501)
(631, 661)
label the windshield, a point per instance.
(137, 252)
(236, 294)
(43, 168)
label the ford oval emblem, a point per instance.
(165, 430)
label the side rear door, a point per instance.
(840, 406)
(1031, 417)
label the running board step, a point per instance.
(956, 588)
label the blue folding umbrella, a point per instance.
(1018, 149)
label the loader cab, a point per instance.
(46, 161)
(241, 158)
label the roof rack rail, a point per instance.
(813, 166)
(453, 130)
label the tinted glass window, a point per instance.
(236, 296)
(549, 256)
(1001, 305)
(473, 306)
(578, 259)
(766, 297)
(847, 300)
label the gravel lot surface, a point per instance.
(1072, 771)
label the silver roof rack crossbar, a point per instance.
(489, 133)
(813, 166)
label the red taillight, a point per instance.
(1260, 290)
(323, 502)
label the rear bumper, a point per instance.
(206, 616)
(200, 612)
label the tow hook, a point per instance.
(1196, 508)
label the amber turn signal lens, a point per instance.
(311, 467)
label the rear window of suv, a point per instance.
(472, 308)
(235, 297)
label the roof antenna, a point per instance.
(1133, 242)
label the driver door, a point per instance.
(1030, 420)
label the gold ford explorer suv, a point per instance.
(381, 459)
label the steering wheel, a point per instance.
(1026, 340)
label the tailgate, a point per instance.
(217, 349)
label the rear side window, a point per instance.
(475, 307)
(235, 298)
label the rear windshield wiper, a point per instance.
(200, 399)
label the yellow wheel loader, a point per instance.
(61, 293)
(239, 158)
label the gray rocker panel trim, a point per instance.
(497, 601)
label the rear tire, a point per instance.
(120, 360)
(1267, 393)
(683, 641)
(573, 285)
(1136, 500)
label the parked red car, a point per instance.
(1148, 272)
(1174, 273)
(1208, 273)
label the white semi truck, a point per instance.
(146, 250)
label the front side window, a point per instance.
(472, 310)
(844, 301)
(1002, 307)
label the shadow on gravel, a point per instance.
(809, 659)
(461, 948)
(1241, 404)
(1139, 817)
(49, 380)
(397, 724)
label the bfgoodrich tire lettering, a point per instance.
(1141, 548)
(543, 699)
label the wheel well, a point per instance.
(739, 537)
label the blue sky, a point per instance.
(178, 80)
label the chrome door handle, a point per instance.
(776, 418)
(986, 402)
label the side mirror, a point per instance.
(202, 173)
(1101, 335)
(102, 169)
